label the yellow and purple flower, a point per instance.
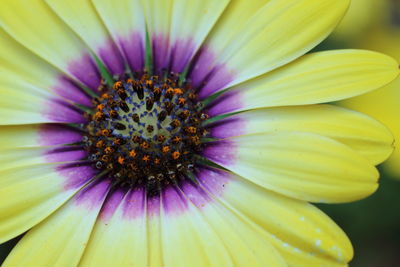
(181, 133)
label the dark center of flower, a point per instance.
(145, 131)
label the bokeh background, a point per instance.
(373, 224)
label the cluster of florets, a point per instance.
(145, 131)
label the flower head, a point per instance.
(180, 133)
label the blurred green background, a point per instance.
(372, 224)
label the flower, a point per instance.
(181, 133)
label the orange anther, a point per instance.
(157, 90)
(98, 116)
(100, 144)
(165, 149)
(176, 155)
(191, 130)
(117, 85)
(161, 138)
(178, 91)
(121, 160)
(175, 123)
(146, 158)
(105, 132)
(176, 139)
(108, 150)
(105, 96)
(145, 145)
(118, 141)
(132, 153)
(169, 92)
(100, 107)
(181, 101)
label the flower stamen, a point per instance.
(145, 131)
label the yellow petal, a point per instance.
(28, 194)
(125, 23)
(23, 103)
(158, 16)
(206, 219)
(302, 234)
(178, 28)
(356, 130)
(85, 22)
(300, 165)
(190, 24)
(18, 60)
(187, 235)
(35, 135)
(119, 237)
(314, 78)
(154, 232)
(60, 240)
(275, 34)
(42, 32)
(21, 65)
(17, 157)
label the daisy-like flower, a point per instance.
(181, 133)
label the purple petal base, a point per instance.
(173, 201)
(92, 196)
(112, 58)
(207, 76)
(68, 89)
(161, 53)
(133, 48)
(153, 206)
(213, 180)
(228, 102)
(134, 204)
(131, 203)
(55, 134)
(65, 154)
(85, 70)
(221, 152)
(112, 203)
(59, 111)
(229, 127)
(181, 53)
(76, 175)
